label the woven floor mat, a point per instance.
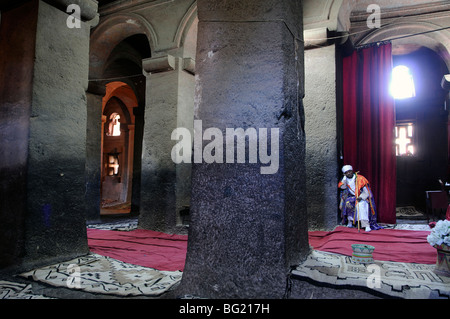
(16, 290)
(402, 280)
(103, 275)
(125, 225)
(409, 212)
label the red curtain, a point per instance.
(369, 122)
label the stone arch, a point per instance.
(188, 21)
(123, 91)
(106, 43)
(436, 41)
(110, 32)
(116, 189)
(410, 39)
(323, 16)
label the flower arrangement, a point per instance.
(440, 234)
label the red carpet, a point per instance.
(168, 252)
(140, 247)
(390, 245)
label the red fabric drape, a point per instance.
(369, 122)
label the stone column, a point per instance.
(321, 137)
(165, 187)
(94, 154)
(55, 225)
(248, 225)
(16, 78)
(130, 152)
(158, 172)
(185, 118)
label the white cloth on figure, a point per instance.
(347, 168)
(363, 206)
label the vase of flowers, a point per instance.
(439, 238)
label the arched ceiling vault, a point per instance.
(399, 20)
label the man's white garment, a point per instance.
(363, 206)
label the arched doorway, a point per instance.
(121, 49)
(118, 123)
(115, 81)
(421, 117)
(424, 118)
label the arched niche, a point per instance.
(112, 31)
(422, 46)
(117, 148)
(407, 37)
(117, 46)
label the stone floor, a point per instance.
(309, 289)
(15, 287)
(12, 287)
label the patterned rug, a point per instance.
(103, 275)
(418, 227)
(15, 290)
(394, 279)
(409, 212)
(107, 276)
(121, 225)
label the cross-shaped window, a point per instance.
(113, 164)
(404, 139)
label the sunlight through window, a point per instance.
(114, 126)
(402, 85)
(404, 139)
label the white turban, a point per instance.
(347, 168)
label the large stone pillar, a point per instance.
(169, 104)
(94, 135)
(321, 137)
(16, 77)
(54, 225)
(248, 221)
